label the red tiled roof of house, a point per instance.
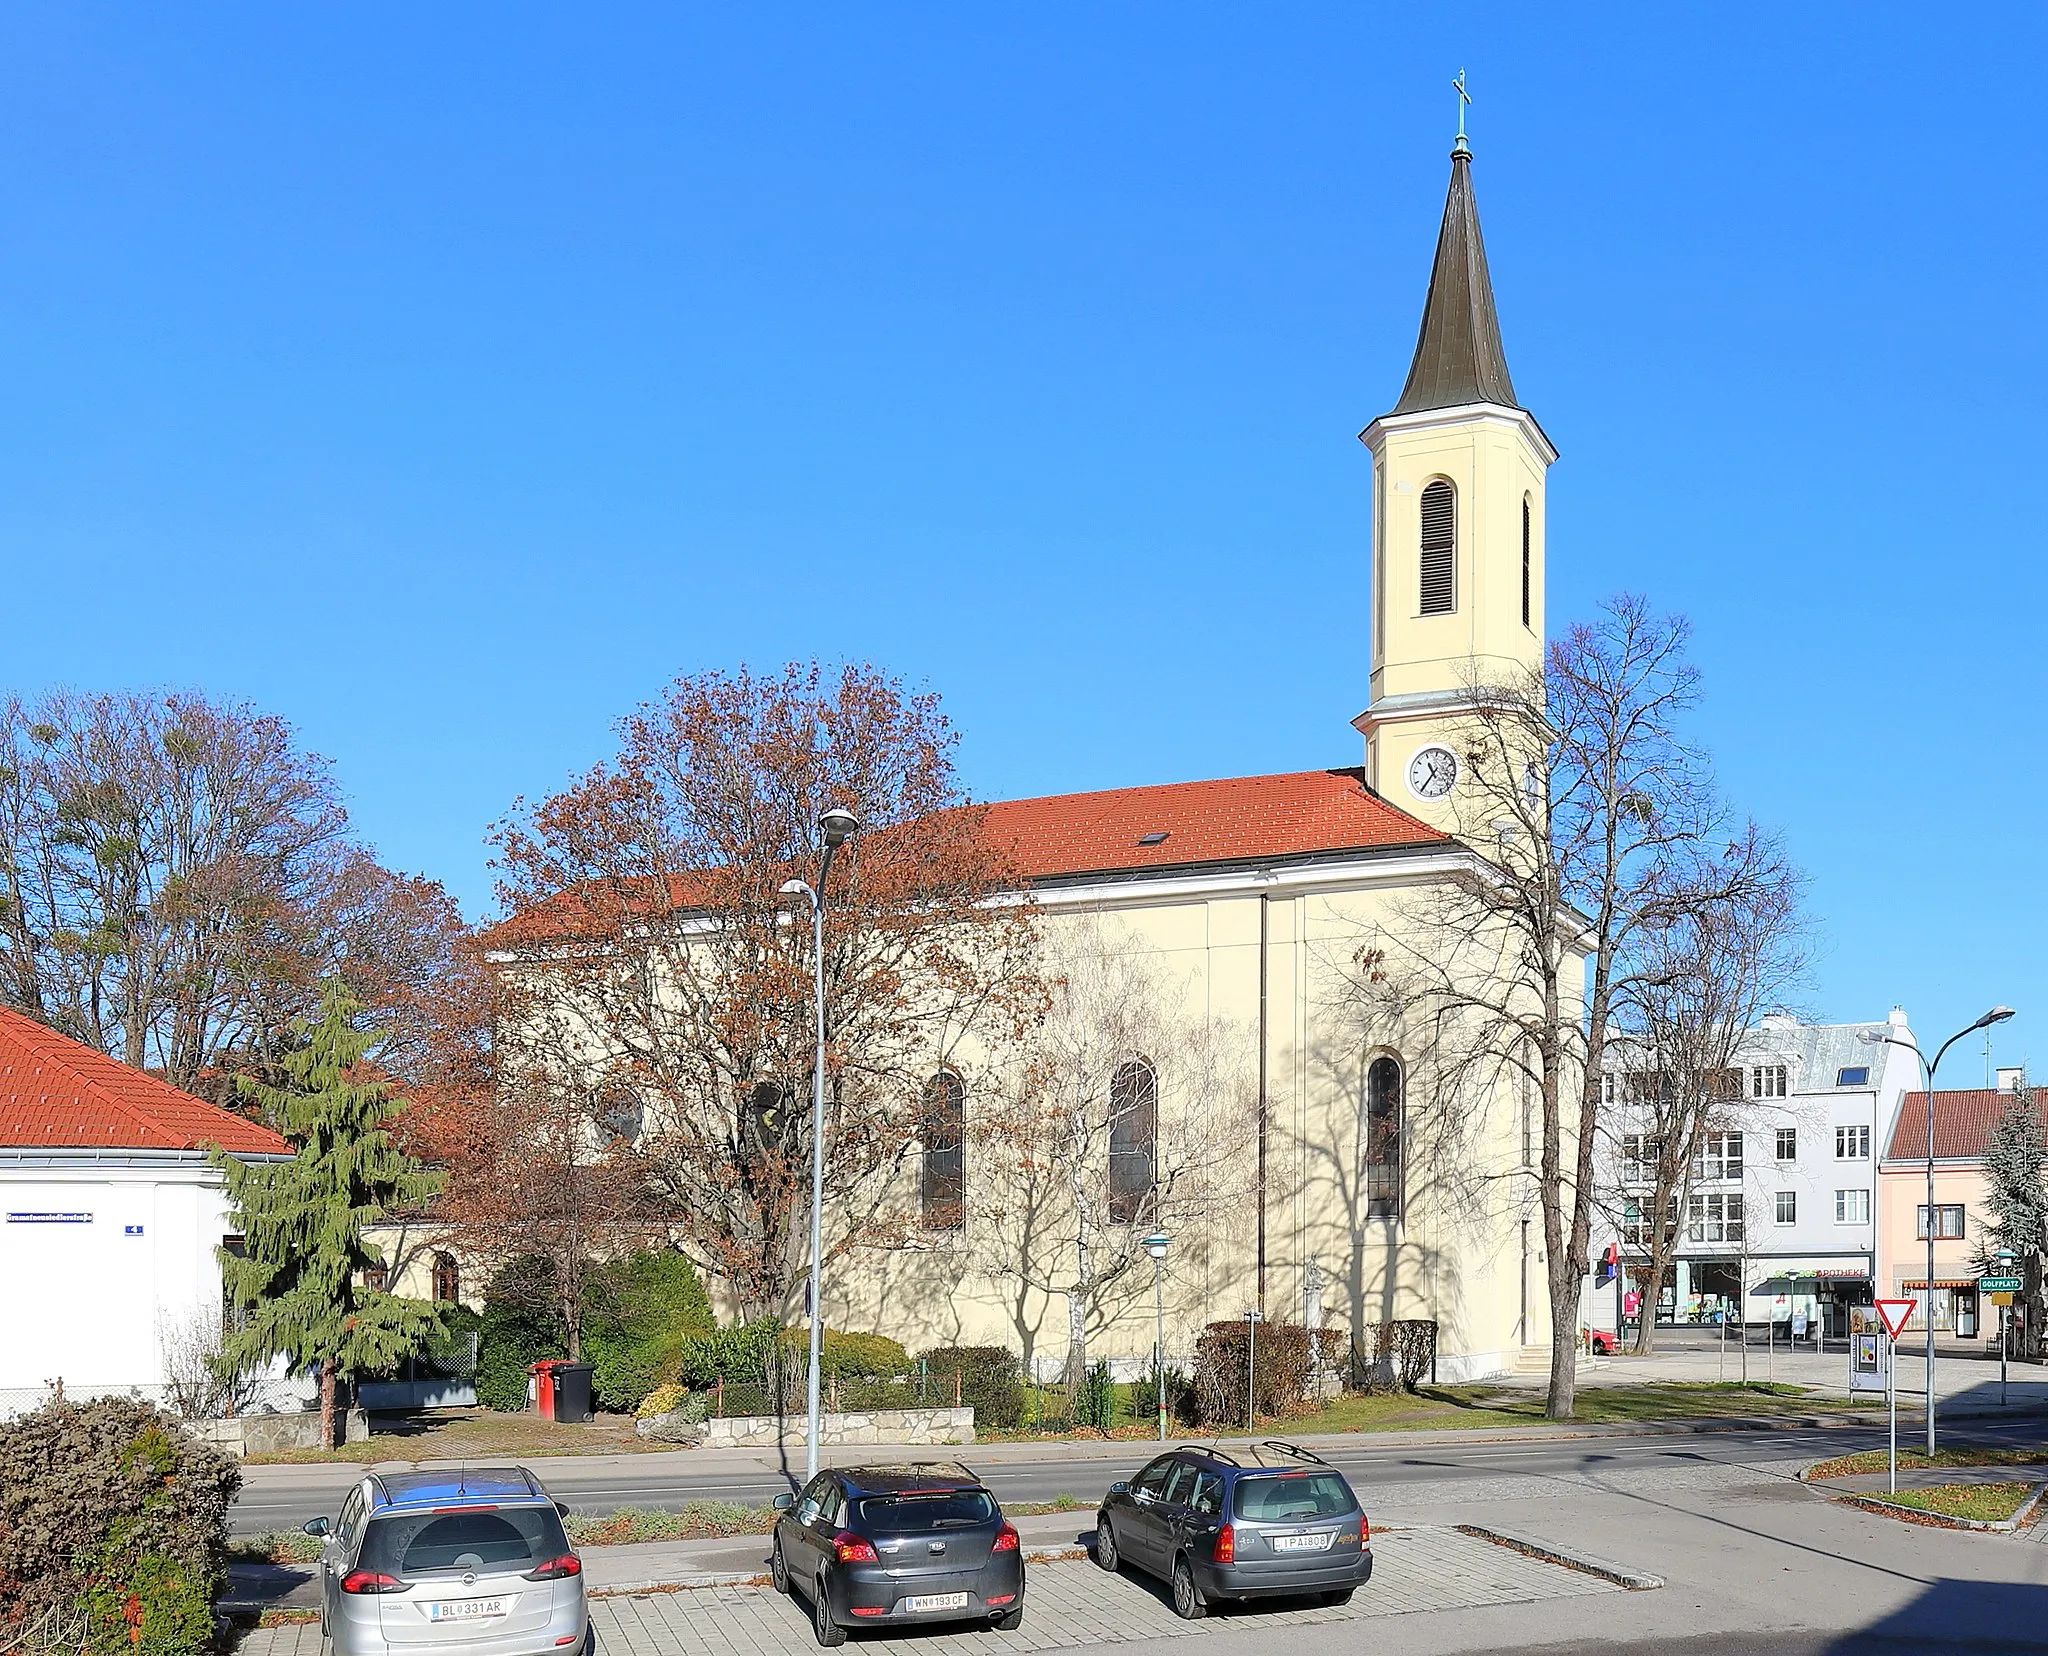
(1962, 1123)
(1236, 819)
(58, 1094)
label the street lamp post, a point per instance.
(1252, 1319)
(1884, 1037)
(1155, 1245)
(835, 827)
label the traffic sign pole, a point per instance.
(1894, 1313)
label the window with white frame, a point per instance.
(1714, 1219)
(1852, 1207)
(1767, 1081)
(1852, 1144)
(1720, 1157)
(1638, 1157)
(1788, 1207)
(1788, 1144)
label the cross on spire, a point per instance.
(1464, 103)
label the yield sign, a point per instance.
(1895, 1313)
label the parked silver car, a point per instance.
(465, 1563)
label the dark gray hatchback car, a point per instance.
(885, 1545)
(1261, 1521)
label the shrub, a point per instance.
(1143, 1403)
(516, 1329)
(740, 1356)
(844, 1356)
(111, 1516)
(662, 1400)
(1289, 1361)
(1397, 1353)
(639, 1313)
(988, 1378)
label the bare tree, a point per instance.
(1589, 809)
(201, 1382)
(1727, 947)
(177, 880)
(1116, 1114)
(654, 954)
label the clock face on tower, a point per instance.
(1432, 773)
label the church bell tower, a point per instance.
(1457, 555)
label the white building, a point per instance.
(110, 1214)
(1785, 1190)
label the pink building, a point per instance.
(1963, 1122)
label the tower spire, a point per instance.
(1458, 354)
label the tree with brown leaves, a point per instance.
(653, 956)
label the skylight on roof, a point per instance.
(1152, 839)
(1859, 1076)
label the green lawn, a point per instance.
(482, 1434)
(1987, 1503)
(1877, 1460)
(1436, 1407)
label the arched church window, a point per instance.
(1133, 1138)
(619, 1114)
(1526, 516)
(1439, 548)
(447, 1279)
(1383, 1138)
(944, 1131)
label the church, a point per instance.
(1272, 1139)
(1252, 895)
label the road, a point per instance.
(281, 1497)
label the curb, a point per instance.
(1636, 1581)
(1941, 1520)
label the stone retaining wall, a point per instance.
(925, 1426)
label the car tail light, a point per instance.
(371, 1581)
(1364, 1532)
(1006, 1541)
(866, 1609)
(1226, 1545)
(568, 1564)
(1000, 1598)
(853, 1549)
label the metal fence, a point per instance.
(20, 1400)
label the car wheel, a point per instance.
(1188, 1603)
(828, 1632)
(1009, 1621)
(778, 1567)
(1105, 1544)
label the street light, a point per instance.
(1884, 1037)
(1155, 1245)
(835, 827)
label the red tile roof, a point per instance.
(1962, 1123)
(1238, 819)
(58, 1094)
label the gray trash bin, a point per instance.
(572, 1391)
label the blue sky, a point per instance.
(448, 378)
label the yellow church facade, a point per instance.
(1300, 1149)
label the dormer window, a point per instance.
(1439, 549)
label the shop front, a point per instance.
(1954, 1306)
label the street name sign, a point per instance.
(2000, 1284)
(1895, 1313)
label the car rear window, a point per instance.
(949, 1509)
(1291, 1497)
(408, 1544)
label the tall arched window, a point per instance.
(1526, 516)
(447, 1279)
(1439, 549)
(1133, 1139)
(1383, 1138)
(944, 1130)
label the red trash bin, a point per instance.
(543, 1373)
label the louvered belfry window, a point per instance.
(1439, 549)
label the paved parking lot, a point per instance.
(1069, 1603)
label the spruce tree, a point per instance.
(2017, 1199)
(298, 1280)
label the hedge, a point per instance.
(113, 1521)
(989, 1382)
